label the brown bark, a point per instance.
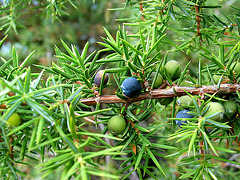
(161, 93)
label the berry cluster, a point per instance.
(131, 87)
(215, 111)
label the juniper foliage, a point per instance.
(63, 112)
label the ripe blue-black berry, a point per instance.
(182, 114)
(131, 87)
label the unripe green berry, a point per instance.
(215, 107)
(236, 68)
(230, 108)
(185, 101)
(159, 80)
(216, 78)
(116, 125)
(186, 83)
(165, 101)
(173, 69)
(14, 120)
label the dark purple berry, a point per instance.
(98, 78)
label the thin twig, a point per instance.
(132, 124)
(234, 157)
(11, 147)
(198, 23)
(141, 9)
(231, 25)
(201, 143)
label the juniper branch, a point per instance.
(162, 93)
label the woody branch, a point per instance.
(161, 93)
